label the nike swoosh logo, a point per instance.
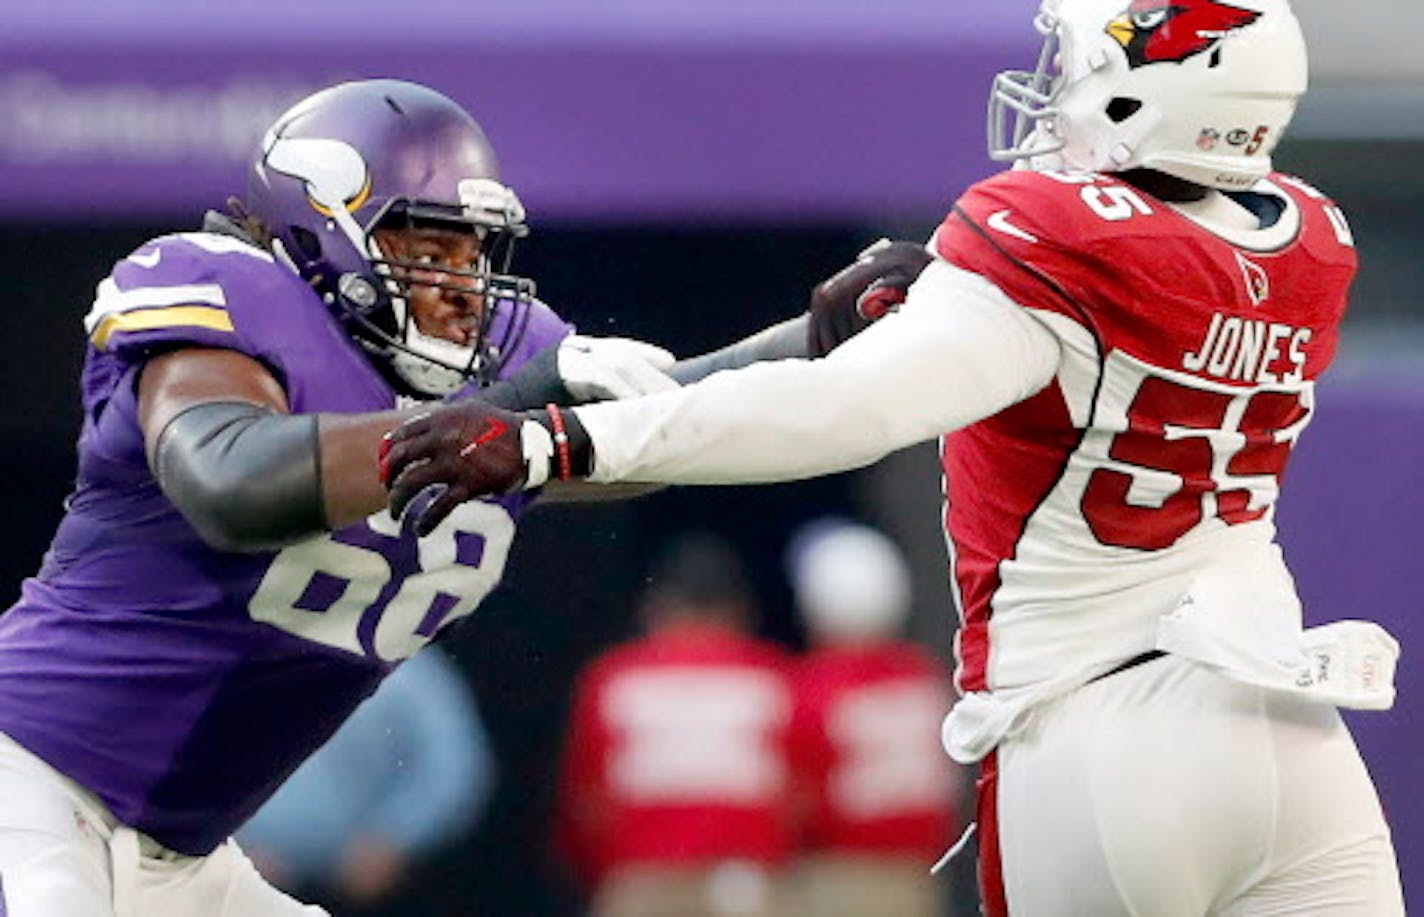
(493, 430)
(147, 260)
(1000, 221)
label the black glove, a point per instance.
(846, 303)
(472, 449)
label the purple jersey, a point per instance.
(182, 684)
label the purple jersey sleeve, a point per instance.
(206, 290)
(182, 684)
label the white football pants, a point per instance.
(62, 854)
(1166, 790)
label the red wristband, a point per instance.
(561, 441)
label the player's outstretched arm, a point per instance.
(580, 370)
(840, 307)
(249, 475)
(246, 473)
(957, 352)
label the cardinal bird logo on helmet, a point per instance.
(1160, 31)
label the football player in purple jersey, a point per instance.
(226, 585)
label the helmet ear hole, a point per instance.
(308, 245)
(1122, 108)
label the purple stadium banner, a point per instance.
(632, 110)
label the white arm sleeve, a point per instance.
(957, 351)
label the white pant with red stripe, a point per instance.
(62, 854)
(1169, 791)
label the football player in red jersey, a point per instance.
(879, 800)
(1118, 341)
(674, 791)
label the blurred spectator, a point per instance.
(879, 793)
(409, 771)
(674, 796)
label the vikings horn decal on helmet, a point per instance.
(1159, 31)
(1139, 87)
(386, 154)
(334, 174)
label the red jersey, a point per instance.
(867, 755)
(676, 753)
(1078, 517)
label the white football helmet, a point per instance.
(1198, 89)
(851, 582)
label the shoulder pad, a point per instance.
(1052, 240)
(174, 289)
(1065, 210)
(204, 290)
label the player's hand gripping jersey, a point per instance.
(1128, 506)
(166, 676)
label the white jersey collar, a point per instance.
(1219, 215)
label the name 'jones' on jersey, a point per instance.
(1189, 358)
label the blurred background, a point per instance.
(691, 168)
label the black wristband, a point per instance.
(576, 441)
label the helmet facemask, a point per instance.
(372, 156)
(377, 306)
(1023, 110)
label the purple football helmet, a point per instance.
(387, 154)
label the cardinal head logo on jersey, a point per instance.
(1258, 282)
(1162, 31)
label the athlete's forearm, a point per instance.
(779, 342)
(244, 475)
(841, 306)
(956, 353)
(249, 478)
(350, 480)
